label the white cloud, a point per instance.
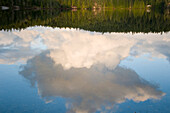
(156, 45)
(82, 49)
(19, 46)
(78, 48)
(72, 60)
(6, 38)
(88, 89)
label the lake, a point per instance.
(84, 61)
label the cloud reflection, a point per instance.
(87, 89)
(77, 48)
(83, 66)
(80, 49)
(18, 46)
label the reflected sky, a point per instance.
(89, 88)
(77, 48)
(92, 71)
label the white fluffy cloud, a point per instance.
(78, 48)
(82, 49)
(156, 45)
(72, 60)
(87, 89)
(19, 46)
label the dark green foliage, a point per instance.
(85, 3)
(25, 4)
(99, 20)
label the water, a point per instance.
(71, 64)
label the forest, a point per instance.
(99, 21)
(105, 16)
(114, 3)
(90, 4)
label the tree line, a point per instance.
(85, 3)
(30, 3)
(99, 21)
(114, 3)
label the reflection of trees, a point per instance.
(103, 21)
(24, 4)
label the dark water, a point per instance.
(108, 20)
(62, 63)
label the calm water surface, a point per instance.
(47, 70)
